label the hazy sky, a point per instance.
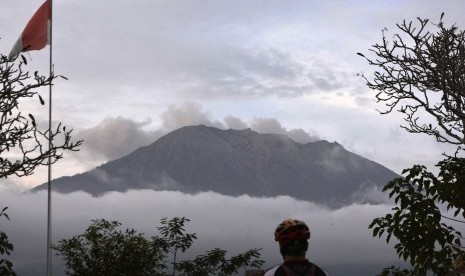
(138, 69)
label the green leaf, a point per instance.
(42, 102)
(375, 231)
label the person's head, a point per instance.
(292, 236)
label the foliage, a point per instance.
(6, 266)
(174, 236)
(417, 221)
(104, 250)
(215, 263)
(395, 271)
(421, 74)
(20, 133)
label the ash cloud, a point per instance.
(235, 123)
(272, 125)
(188, 113)
(116, 137)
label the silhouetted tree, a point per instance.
(175, 237)
(104, 250)
(421, 74)
(214, 262)
(6, 266)
(23, 145)
(20, 136)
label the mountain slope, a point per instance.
(234, 162)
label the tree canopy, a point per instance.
(103, 249)
(421, 74)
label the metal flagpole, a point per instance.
(49, 184)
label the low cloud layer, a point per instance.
(232, 223)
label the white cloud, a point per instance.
(232, 223)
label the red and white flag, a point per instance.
(37, 32)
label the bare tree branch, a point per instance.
(20, 135)
(420, 73)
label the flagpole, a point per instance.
(49, 201)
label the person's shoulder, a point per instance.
(276, 271)
(319, 271)
(272, 271)
(279, 270)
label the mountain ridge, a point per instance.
(234, 162)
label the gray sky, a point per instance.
(138, 69)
